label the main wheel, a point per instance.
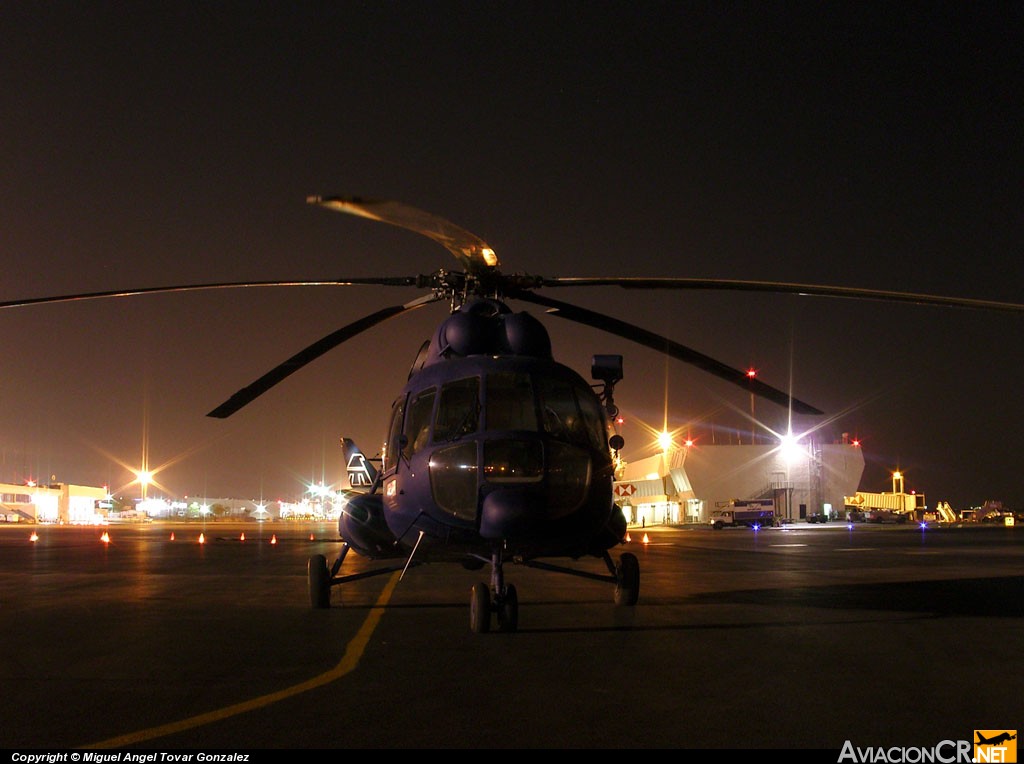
(508, 610)
(627, 580)
(480, 608)
(319, 582)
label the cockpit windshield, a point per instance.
(570, 414)
(458, 413)
(510, 402)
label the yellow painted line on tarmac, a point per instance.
(353, 652)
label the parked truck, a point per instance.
(752, 514)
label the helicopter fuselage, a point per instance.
(491, 450)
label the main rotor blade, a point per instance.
(780, 287)
(359, 281)
(667, 346)
(249, 393)
(472, 251)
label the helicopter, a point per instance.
(495, 453)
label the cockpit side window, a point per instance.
(593, 418)
(458, 412)
(510, 402)
(393, 445)
(560, 415)
(417, 422)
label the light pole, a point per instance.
(751, 373)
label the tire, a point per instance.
(480, 609)
(508, 610)
(319, 582)
(627, 580)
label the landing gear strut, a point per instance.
(321, 578)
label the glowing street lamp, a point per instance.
(144, 477)
(665, 441)
(790, 448)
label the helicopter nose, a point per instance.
(510, 513)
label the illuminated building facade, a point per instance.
(56, 503)
(686, 484)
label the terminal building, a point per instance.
(686, 485)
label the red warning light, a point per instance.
(242, 537)
(751, 373)
(202, 538)
(273, 539)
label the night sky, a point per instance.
(151, 144)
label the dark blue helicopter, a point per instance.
(495, 452)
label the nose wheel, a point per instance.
(498, 598)
(482, 604)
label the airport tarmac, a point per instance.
(805, 637)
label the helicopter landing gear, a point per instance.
(480, 608)
(481, 605)
(508, 610)
(504, 602)
(627, 580)
(319, 582)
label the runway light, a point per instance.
(202, 538)
(34, 537)
(105, 538)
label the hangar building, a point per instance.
(56, 503)
(685, 485)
